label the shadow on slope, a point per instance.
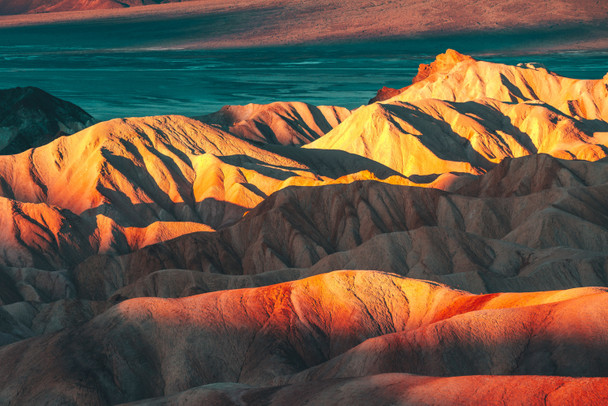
(333, 163)
(300, 227)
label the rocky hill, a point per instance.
(30, 117)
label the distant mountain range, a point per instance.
(45, 6)
(250, 23)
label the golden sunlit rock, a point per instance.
(463, 115)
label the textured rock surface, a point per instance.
(283, 123)
(483, 240)
(326, 326)
(30, 117)
(459, 78)
(463, 115)
(402, 389)
(126, 183)
(527, 337)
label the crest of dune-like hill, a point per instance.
(463, 115)
(443, 63)
(454, 77)
(138, 162)
(292, 123)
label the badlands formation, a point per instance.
(445, 244)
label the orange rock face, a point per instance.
(385, 93)
(314, 330)
(463, 115)
(446, 245)
(444, 63)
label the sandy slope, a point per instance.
(125, 183)
(480, 243)
(403, 390)
(285, 123)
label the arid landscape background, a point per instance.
(275, 202)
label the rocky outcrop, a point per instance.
(429, 72)
(443, 63)
(30, 117)
(457, 78)
(385, 93)
(464, 116)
